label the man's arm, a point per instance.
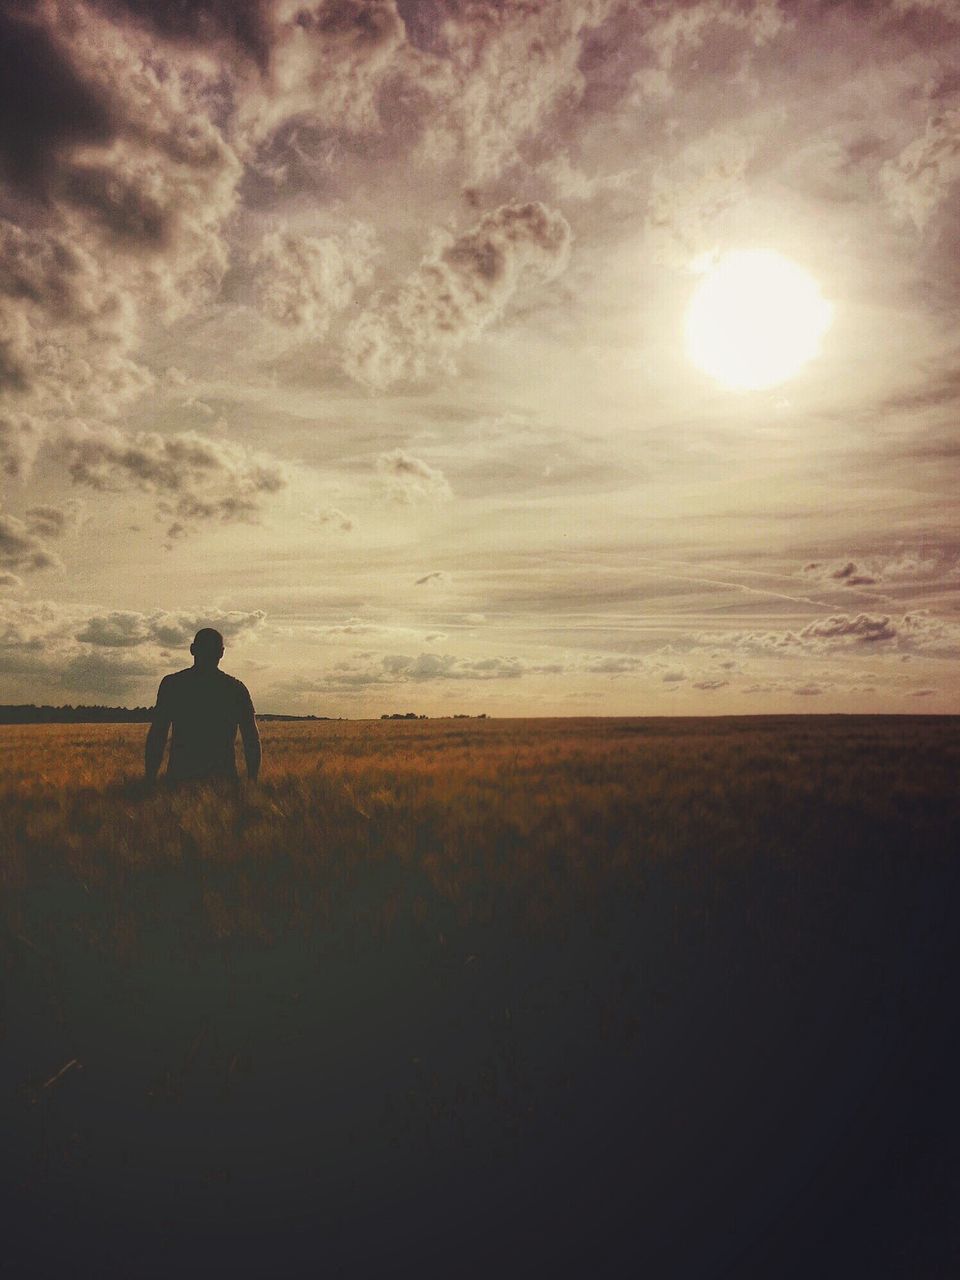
(157, 734)
(252, 751)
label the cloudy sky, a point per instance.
(360, 329)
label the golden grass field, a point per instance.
(486, 997)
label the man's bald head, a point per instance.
(207, 647)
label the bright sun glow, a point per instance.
(755, 319)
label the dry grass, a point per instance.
(426, 961)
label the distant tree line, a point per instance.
(29, 713)
(412, 715)
(269, 715)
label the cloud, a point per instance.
(106, 674)
(45, 105)
(917, 181)
(47, 521)
(194, 477)
(807, 691)
(819, 636)
(396, 669)
(328, 60)
(438, 575)
(302, 282)
(571, 183)
(688, 195)
(22, 549)
(614, 665)
(922, 693)
(124, 629)
(409, 480)
(67, 327)
(903, 568)
(677, 30)
(160, 189)
(213, 22)
(20, 439)
(917, 633)
(710, 685)
(331, 517)
(436, 666)
(863, 629)
(122, 183)
(361, 627)
(505, 69)
(921, 632)
(847, 573)
(455, 294)
(54, 645)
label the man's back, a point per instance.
(205, 709)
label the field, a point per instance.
(671, 998)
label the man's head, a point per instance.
(207, 647)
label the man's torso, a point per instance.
(205, 709)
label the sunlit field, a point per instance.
(590, 997)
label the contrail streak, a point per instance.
(734, 586)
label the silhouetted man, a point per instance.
(205, 707)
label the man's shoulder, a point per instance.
(176, 678)
(236, 685)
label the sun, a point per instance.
(755, 319)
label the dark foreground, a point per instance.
(659, 998)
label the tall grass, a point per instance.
(557, 965)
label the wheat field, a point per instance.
(486, 997)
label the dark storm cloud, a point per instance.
(45, 105)
(137, 180)
(244, 22)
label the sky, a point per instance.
(360, 330)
